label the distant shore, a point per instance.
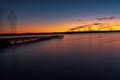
(53, 33)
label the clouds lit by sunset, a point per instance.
(60, 15)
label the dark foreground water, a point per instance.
(77, 57)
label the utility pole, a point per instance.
(12, 18)
(1, 17)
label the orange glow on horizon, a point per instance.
(61, 26)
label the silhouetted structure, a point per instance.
(1, 12)
(12, 18)
(12, 41)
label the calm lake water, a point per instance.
(76, 56)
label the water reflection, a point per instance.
(84, 56)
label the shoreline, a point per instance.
(54, 33)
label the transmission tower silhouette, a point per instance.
(12, 18)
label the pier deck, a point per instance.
(16, 40)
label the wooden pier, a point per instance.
(12, 41)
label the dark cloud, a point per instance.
(75, 28)
(90, 25)
(96, 23)
(105, 18)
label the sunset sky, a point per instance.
(58, 15)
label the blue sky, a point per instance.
(62, 9)
(46, 11)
